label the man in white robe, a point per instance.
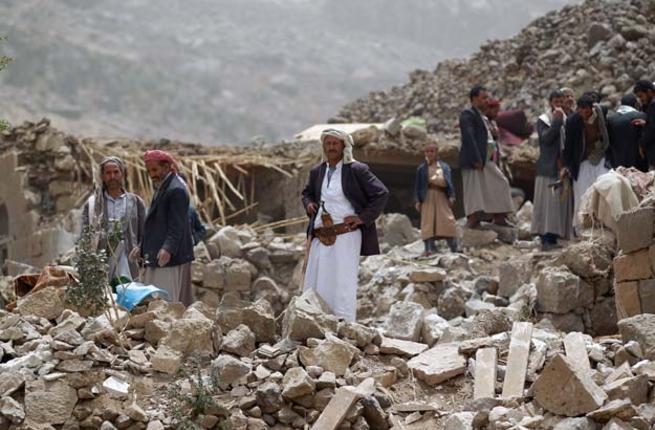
(343, 198)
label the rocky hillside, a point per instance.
(225, 71)
(603, 45)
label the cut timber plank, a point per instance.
(576, 351)
(485, 373)
(517, 361)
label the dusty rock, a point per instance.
(297, 383)
(438, 364)
(397, 229)
(258, 316)
(166, 360)
(269, 397)
(634, 388)
(560, 291)
(475, 238)
(452, 303)
(428, 274)
(401, 347)
(361, 334)
(49, 403)
(635, 229)
(230, 370)
(632, 267)
(190, 336)
(640, 328)
(512, 275)
(307, 316)
(44, 303)
(459, 421)
(433, 327)
(10, 382)
(240, 341)
(228, 242)
(578, 396)
(404, 321)
(581, 423)
(332, 354)
(12, 410)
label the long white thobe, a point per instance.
(332, 270)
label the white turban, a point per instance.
(347, 143)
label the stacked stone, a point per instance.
(634, 267)
(247, 266)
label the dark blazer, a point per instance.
(167, 224)
(574, 149)
(474, 139)
(421, 182)
(549, 148)
(647, 140)
(624, 140)
(364, 191)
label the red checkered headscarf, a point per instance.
(158, 155)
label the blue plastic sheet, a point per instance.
(131, 294)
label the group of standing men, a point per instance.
(158, 240)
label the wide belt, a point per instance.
(435, 187)
(328, 235)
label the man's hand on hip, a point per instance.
(353, 221)
(312, 208)
(163, 257)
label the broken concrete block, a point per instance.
(44, 303)
(632, 267)
(640, 328)
(635, 229)
(634, 388)
(297, 383)
(578, 396)
(438, 364)
(240, 341)
(428, 274)
(559, 291)
(307, 316)
(404, 321)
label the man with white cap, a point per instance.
(343, 198)
(115, 214)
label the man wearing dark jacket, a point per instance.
(625, 133)
(342, 198)
(645, 91)
(486, 189)
(585, 148)
(167, 244)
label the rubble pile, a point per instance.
(597, 45)
(458, 341)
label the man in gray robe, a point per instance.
(117, 218)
